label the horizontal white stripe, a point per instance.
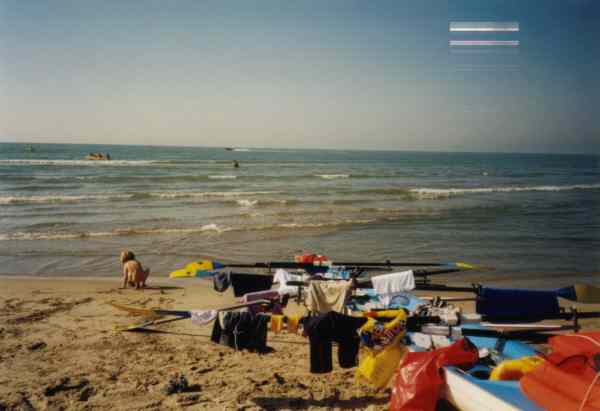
(504, 43)
(461, 26)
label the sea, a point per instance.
(530, 217)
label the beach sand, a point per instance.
(59, 350)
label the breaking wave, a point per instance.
(434, 193)
(60, 199)
(332, 176)
(208, 228)
(247, 203)
(113, 233)
(131, 196)
(41, 162)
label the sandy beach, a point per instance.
(59, 349)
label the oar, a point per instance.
(202, 268)
(157, 312)
(531, 334)
(580, 293)
(142, 326)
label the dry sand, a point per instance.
(59, 350)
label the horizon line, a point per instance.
(307, 148)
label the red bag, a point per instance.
(418, 379)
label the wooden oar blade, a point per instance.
(587, 294)
(145, 312)
(581, 293)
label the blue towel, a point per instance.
(516, 304)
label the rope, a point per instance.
(584, 336)
(588, 392)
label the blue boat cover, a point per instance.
(516, 304)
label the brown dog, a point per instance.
(133, 272)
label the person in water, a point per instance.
(133, 272)
(236, 164)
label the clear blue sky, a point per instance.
(330, 74)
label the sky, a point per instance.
(381, 75)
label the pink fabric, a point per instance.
(260, 295)
(271, 295)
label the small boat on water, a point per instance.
(98, 157)
(229, 148)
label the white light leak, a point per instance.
(488, 26)
(484, 43)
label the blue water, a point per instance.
(525, 214)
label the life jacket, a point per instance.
(569, 378)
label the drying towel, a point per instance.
(282, 277)
(325, 296)
(203, 317)
(388, 286)
(271, 295)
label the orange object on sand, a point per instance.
(569, 379)
(310, 258)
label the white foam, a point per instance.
(247, 203)
(160, 195)
(29, 162)
(185, 194)
(332, 176)
(222, 177)
(432, 193)
(59, 199)
(113, 233)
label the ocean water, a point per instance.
(524, 214)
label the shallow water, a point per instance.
(522, 213)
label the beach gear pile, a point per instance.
(425, 349)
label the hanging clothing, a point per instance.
(249, 283)
(271, 295)
(282, 277)
(499, 304)
(325, 296)
(322, 330)
(387, 286)
(203, 317)
(221, 282)
(241, 330)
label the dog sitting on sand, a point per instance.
(133, 272)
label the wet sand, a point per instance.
(59, 349)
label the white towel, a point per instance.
(388, 286)
(203, 317)
(282, 277)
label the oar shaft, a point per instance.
(442, 287)
(292, 264)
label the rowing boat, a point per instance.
(472, 390)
